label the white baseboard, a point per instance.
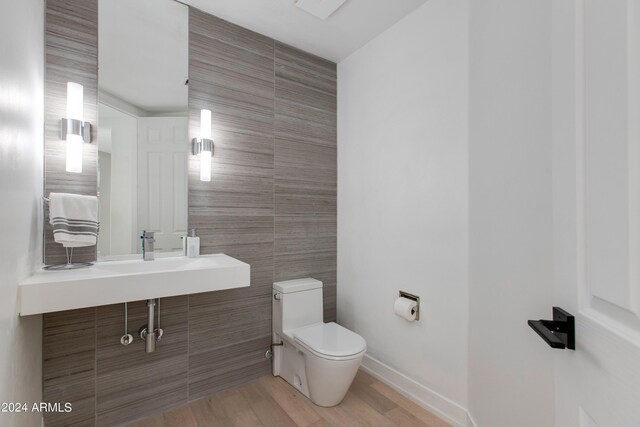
(432, 401)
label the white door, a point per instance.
(162, 180)
(596, 186)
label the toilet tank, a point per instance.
(296, 303)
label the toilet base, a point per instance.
(288, 363)
(325, 382)
(330, 379)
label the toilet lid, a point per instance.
(330, 339)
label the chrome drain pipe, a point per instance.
(151, 333)
(148, 334)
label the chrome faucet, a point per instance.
(148, 240)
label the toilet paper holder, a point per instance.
(416, 298)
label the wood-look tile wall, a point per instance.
(271, 203)
(71, 49)
(305, 170)
(231, 73)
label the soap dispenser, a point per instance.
(193, 244)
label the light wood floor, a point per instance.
(271, 402)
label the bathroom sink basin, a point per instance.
(132, 280)
(161, 265)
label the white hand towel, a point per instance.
(74, 219)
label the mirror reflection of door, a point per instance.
(162, 180)
(142, 126)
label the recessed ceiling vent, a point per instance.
(319, 8)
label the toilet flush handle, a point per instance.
(276, 296)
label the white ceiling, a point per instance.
(344, 32)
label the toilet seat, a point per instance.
(330, 341)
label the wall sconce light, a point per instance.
(203, 146)
(73, 128)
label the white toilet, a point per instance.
(319, 359)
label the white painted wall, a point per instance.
(21, 141)
(510, 248)
(402, 194)
(444, 190)
(104, 190)
(119, 132)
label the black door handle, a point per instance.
(559, 332)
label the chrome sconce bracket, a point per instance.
(201, 144)
(75, 127)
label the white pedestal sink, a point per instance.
(132, 280)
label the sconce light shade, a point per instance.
(205, 166)
(203, 146)
(75, 101)
(74, 153)
(205, 124)
(73, 129)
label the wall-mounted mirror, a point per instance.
(142, 124)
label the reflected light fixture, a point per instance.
(73, 129)
(203, 146)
